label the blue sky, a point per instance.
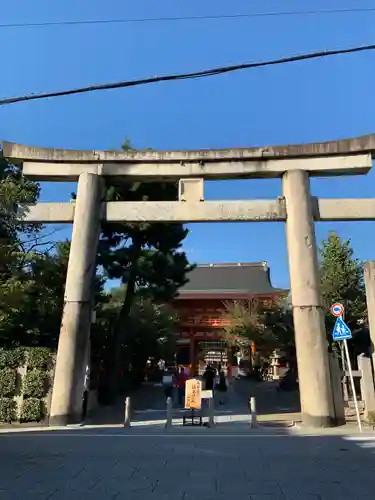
(310, 101)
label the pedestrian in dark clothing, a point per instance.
(209, 378)
(222, 386)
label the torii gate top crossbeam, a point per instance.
(356, 145)
(55, 164)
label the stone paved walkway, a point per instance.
(269, 401)
(114, 464)
(149, 404)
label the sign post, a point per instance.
(337, 310)
(193, 399)
(341, 333)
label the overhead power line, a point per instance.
(185, 76)
(190, 18)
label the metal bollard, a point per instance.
(211, 418)
(253, 413)
(168, 422)
(127, 418)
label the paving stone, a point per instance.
(115, 464)
(257, 496)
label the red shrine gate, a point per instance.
(201, 308)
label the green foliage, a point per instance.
(152, 331)
(8, 409)
(268, 324)
(39, 357)
(34, 383)
(278, 319)
(15, 192)
(146, 257)
(34, 319)
(342, 281)
(15, 254)
(7, 382)
(12, 358)
(32, 410)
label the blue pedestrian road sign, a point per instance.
(341, 330)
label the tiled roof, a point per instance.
(251, 278)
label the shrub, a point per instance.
(39, 357)
(7, 410)
(34, 383)
(371, 418)
(32, 410)
(7, 382)
(12, 358)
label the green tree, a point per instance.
(151, 333)
(145, 257)
(15, 191)
(45, 299)
(269, 325)
(342, 281)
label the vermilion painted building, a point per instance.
(200, 305)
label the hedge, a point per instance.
(371, 418)
(7, 382)
(34, 386)
(32, 410)
(8, 410)
(12, 358)
(39, 357)
(35, 357)
(34, 383)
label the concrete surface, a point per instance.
(353, 145)
(310, 334)
(232, 168)
(369, 274)
(116, 464)
(73, 349)
(149, 405)
(205, 211)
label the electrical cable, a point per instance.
(185, 76)
(190, 18)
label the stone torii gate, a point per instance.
(293, 164)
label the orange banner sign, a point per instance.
(193, 394)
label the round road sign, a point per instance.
(337, 309)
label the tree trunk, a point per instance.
(118, 333)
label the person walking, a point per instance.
(222, 386)
(85, 396)
(209, 378)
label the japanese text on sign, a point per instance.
(193, 394)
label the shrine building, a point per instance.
(201, 308)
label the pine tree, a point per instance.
(342, 281)
(145, 257)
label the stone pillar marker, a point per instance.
(369, 271)
(76, 318)
(310, 333)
